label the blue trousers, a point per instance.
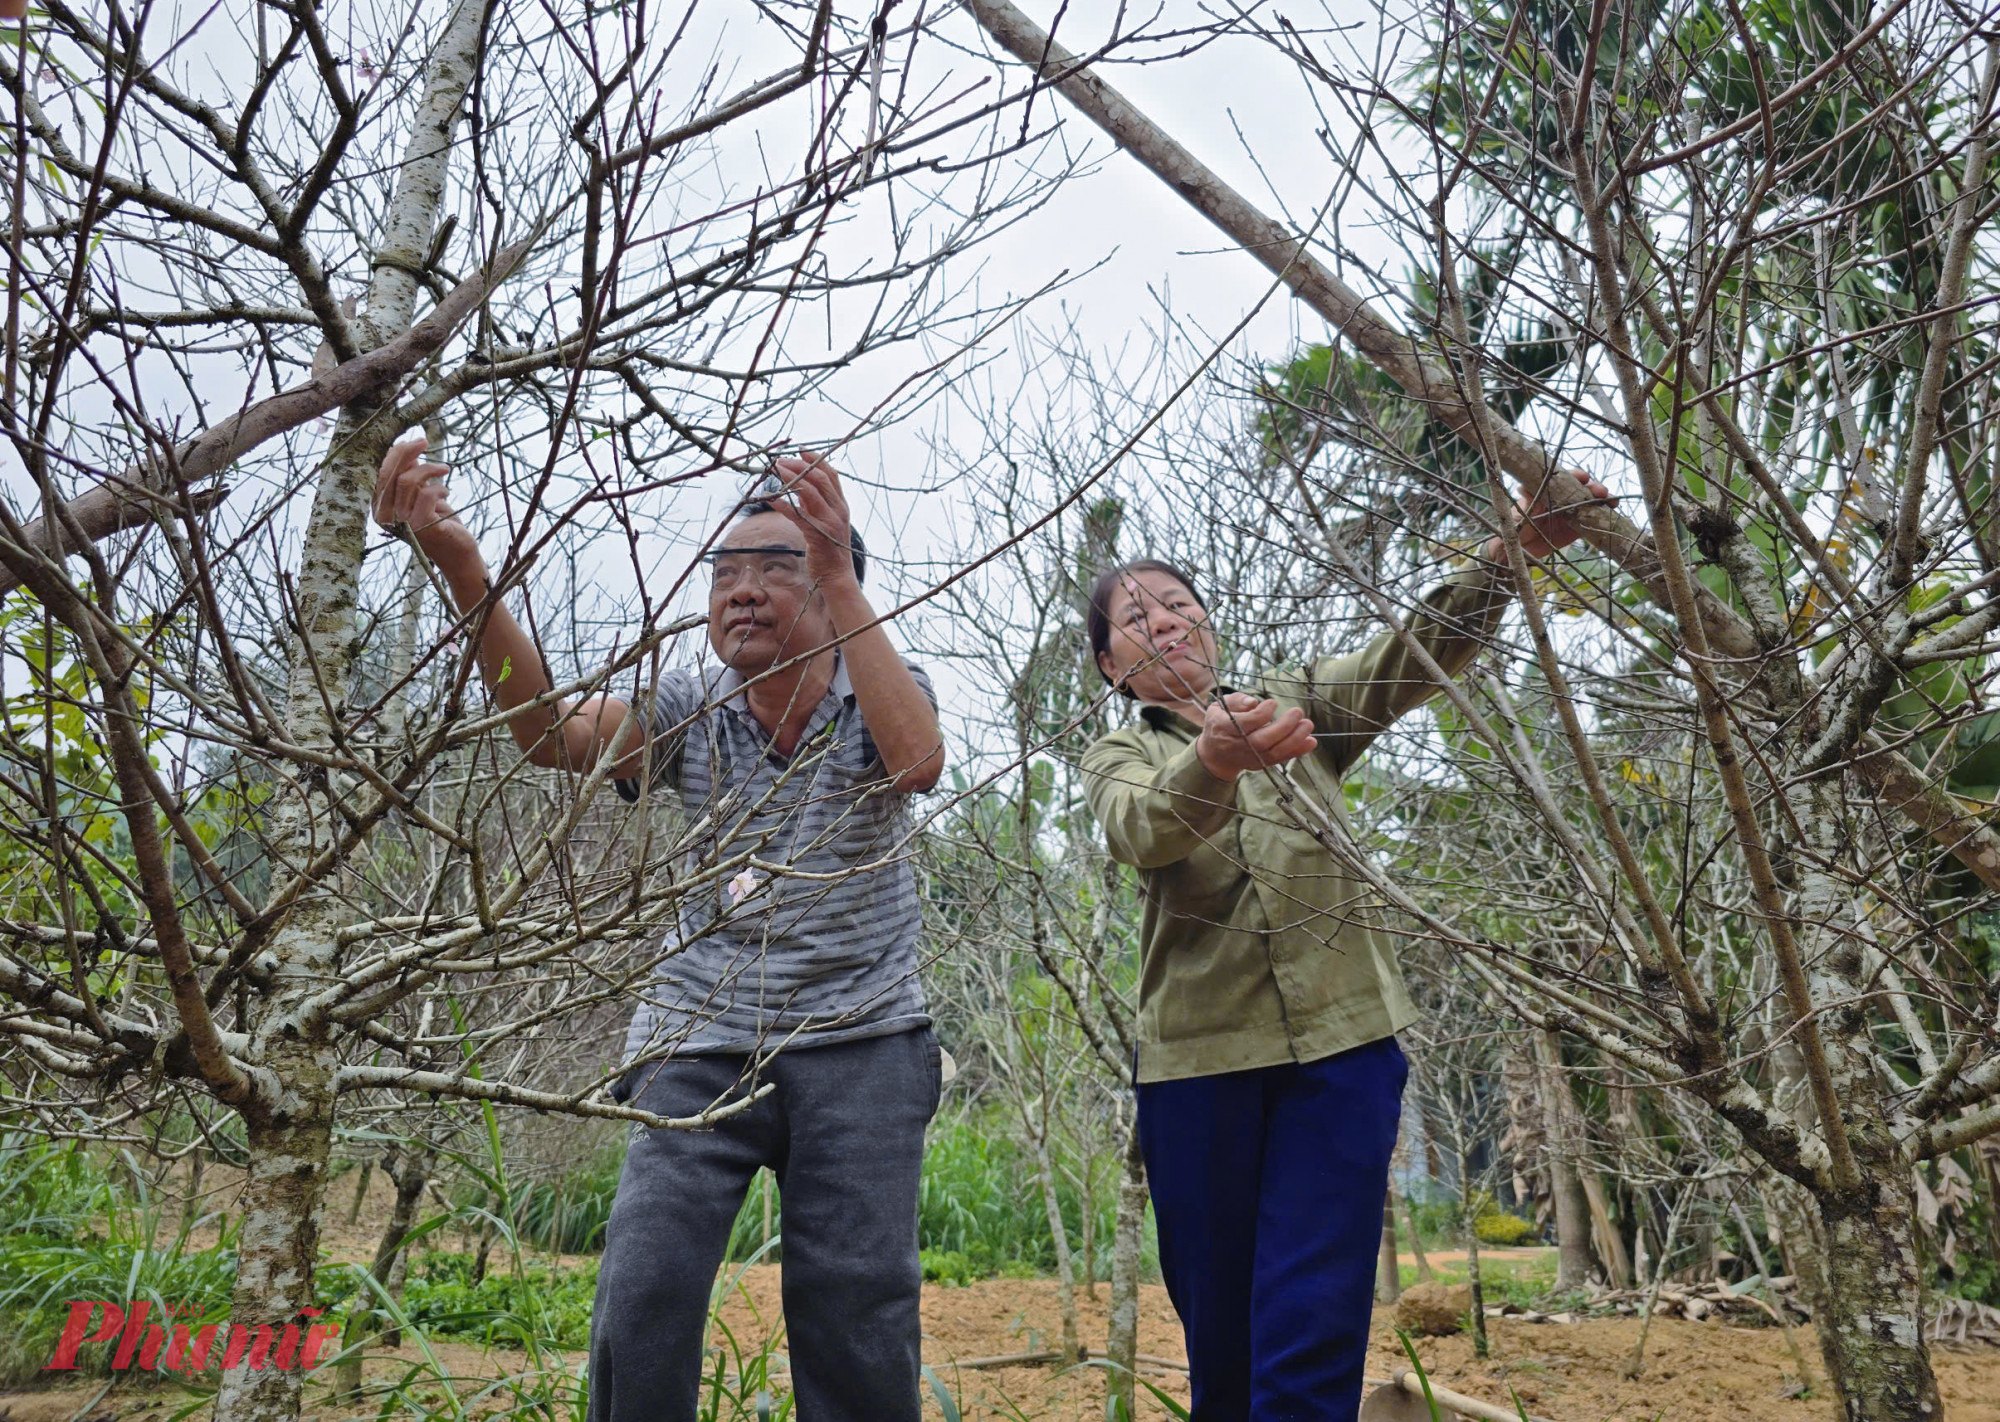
(1268, 1187)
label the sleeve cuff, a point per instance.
(1474, 593)
(1201, 799)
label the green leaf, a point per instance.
(947, 1404)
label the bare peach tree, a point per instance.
(267, 849)
(1726, 789)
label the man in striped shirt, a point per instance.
(793, 962)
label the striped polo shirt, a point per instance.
(815, 941)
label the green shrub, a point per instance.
(538, 1305)
(949, 1266)
(979, 1199)
(39, 1278)
(1439, 1217)
(1502, 1229)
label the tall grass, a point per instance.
(54, 1201)
(570, 1216)
(980, 1202)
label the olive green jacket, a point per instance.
(1257, 948)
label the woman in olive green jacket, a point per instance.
(1269, 1079)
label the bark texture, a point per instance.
(1122, 1344)
(1563, 1125)
(1871, 1328)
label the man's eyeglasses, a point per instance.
(774, 567)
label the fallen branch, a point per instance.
(1403, 1380)
(1052, 1355)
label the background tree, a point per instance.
(1769, 298)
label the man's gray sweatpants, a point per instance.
(844, 1131)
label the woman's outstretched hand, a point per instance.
(1241, 732)
(1542, 531)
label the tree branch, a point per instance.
(143, 491)
(1397, 355)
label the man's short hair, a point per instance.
(855, 547)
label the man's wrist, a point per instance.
(847, 604)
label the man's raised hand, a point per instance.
(1240, 733)
(411, 491)
(817, 506)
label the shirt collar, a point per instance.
(729, 685)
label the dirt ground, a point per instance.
(1563, 1372)
(1694, 1372)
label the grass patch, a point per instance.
(68, 1234)
(1527, 1283)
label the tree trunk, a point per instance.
(1480, 1344)
(1072, 1347)
(1610, 1243)
(1088, 1243)
(1871, 1326)
(360, 1190)
(1388, 1277)
(1424, 1274)
(191, 1202)
(1122, 1343)
(277, 1246)
(1576, 1262)
(391, 1259)
(399, 1275)
(410, 1176)
(1637, 1363)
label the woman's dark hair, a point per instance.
(1097, 621)
(855, 547)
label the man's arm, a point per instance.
(900, 717)
(572, 735)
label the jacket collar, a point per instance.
(1161, 718)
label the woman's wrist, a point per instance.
(1203, 752)
(1496, 552)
